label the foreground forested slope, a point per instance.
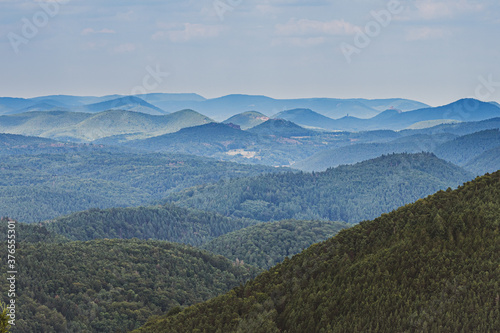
(112, 285)
(431, 266)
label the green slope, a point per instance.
(31, 233)
(247, 119)
(43, 186)
(489, 161)
(363, 151)
(431, 266)
(112, 285)
(85, 127)
(465, 148)
(281, 128)
(346, 193)
(15, 144)
(167, 222)
(267, 244)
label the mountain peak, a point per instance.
(281, 127)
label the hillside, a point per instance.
(359, 152)
(11, 144)
(489, 161)
(431, 266)
(431, 123)
(465, 148)
(459, 129)
(167, 222)
(31, 233)
(247, 119)
(464, 110)
(127, 103)
(306, 117)
(267, 244)
(199, 140)
(75, 180)
(281, 128)
(112, 285)
(274, 143)
(85, 127)
(347, 193)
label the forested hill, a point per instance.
(73, 181)
(267, 244)
(31, 233)
(166, 222)
(347, 193)
(112, 285)
(431, 266)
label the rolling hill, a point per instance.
(281, 128)
(19, 144)
(217, 108)
(462, 150)
(459, 129)
(347, 193)
(86, 127)
(43, 186)
(431, 123)
(306, 117)
(167, 222)
(247, 119)
(489, 161)
(359, 152)
(464, 110)
(112, 285)
(127, 103)
(441, 140)
(267, 244)
(198, 140)
(431, 266)
(274, 143)
(223, 107)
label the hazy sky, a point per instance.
(432, 51)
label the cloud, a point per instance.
(426, 33)
(124, 48)
(90, 31)
(299, 41)
(432, 9)
(188, 32)
(305, 27)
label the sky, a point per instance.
(432, 51)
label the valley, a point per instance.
(148, 219)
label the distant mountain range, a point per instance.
(217, 108)
(464, 110)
